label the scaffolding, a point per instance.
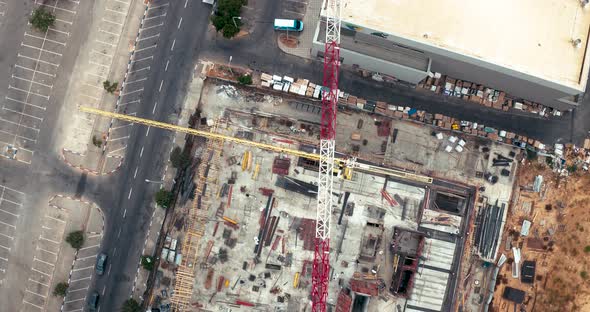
(196, 222)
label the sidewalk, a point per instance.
(190, 104)
(104, 56)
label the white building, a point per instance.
(534, 49)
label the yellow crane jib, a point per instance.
(347, 174)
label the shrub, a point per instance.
(245, 79)
(584, 274)
(60, 289)
(110, 87)
(131, 305)
(76, 239)
(587, 249)
(225, 17)
(96, 141)
(42, 19)
(147, 262)
(164, 198)
(180, 159)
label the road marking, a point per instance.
(148, 38)
(90, 247)
(134, 91)
(108, 32)
(10, 225)
(109, 21)
(150, 27)
(26, 103)
(34, 293)
(134, 81)
(146, 48)
(154, 109)
(115, 11)
(33, 269)
(40, 49)
(161, 83)
(75, 300)
(180, 22)
(48, 263)
(167, 62)
(47, 251)
(37, 60)
(152, 17)
(148, 131)
(103, 42)
(75, 290)
(37, 282)
(129, 196)
(36, 306)
(109, 271)
(173, 43)
(7, 236)
(28, 92)
(44, 39)
(104, 288)
(125, 213)
(99, 52)
(81, 279)
(143, 59)
(86, 268)
(121, 138)
(185, 3)
(35, 71)
(119, 234)
(159, 6)
(135, 174)
(32, 81)
(138, 70)
(141, 152)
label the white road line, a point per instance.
(173, 43)
(7, 248)
(125, 213)
(44, 39)
(25, 103)
(28, 92)
(154, 26)
(161, 83)
(135, 174)
(99, 64)
(8, 212)
(117, 139)
(9, 225)
(148, 131)
(138, 70)
(159, 6)
(102, 53)
(154, 109)
(104, 288)
(48, 263)
(75, 300)
(119, 149)
(35, 71)
(108, 32)
(84, 258)
(134, 91)
(49, 240)
(75, 290)
(40, 49)
(130, 192)
(146, 48)
(34, 293)
(119, 127)
(141, 152)
(167, 62)
(31, 81)
(37, 60)
(119, 234)
(185, 3)
(152, 17)
(47, 251)
(37, 282)
(17, 112)
(115, 11)
(80, 269)
(109, 271)
(35, 270)
(90, 247)
(56, 219)
(179, 22)
(143, 59)
(112, 22)
(32, 304)
(7, 236)
(149, 37)
(100, 41)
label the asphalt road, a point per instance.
(125, 193)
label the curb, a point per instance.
(94, 172)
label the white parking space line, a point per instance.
(117, 150)
(75, 300)
(7, 236)
(143, 59)
(152, 17)
(45, 262)
(101, 53)
(115, 11)
(108, 32)
(8, 225)
(25, 103)
(89, 247)
(99, 64)
(121, 1)
(40, 49)
(18, 124)
(135, 91)
(37, 60)
(75, 290)
(93, 86)
(146, 48)
(34, 305)
(45, 39)
(117, 139)
(47, 251)
(80, 269)
(120, 127)
(107, 43)
(158, 6)
(81, 279)
(97, 75)
(35, 71)
(91, 97)
(49, 240)
(112, 22)
(59, 31)
(150, 27)
(28, 92)
(130, 102)
(135, 81)
(10, 213)
(150, 37)
(4, 247)
(55, 219)
(35, 270)
(31, 81)
(56, 7)
(37, 282)
(138, 70)
(22, 114)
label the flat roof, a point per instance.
(533, 37)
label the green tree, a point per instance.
(584, 274)
(76, 239)
(60, 289)
(226, 16)
(164, 198)
(131, 305)
(110, 87)
(179, 158)
(587, 249)
(147, 262)
(42, 19)
(245, 79)
(96, 141)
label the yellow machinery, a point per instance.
(342, 163)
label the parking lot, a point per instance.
(45, 257)
(138, 72)
(81, 275)
(31, 84)
(10, 210)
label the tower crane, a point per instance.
(321, 259)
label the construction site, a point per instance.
(243, 234)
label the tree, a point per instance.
(96, 141)
(226, 16)
(110, 87)
(147, 262)
(76, 239)
(42, 19)
(130, 305)
(245, 79)
(60, 289)
(180, 159)
(164, 198)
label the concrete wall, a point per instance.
(375, 65)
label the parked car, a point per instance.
(93, 301)
(101, 263)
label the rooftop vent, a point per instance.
(577, 42)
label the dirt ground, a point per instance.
(558, 241)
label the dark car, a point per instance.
(93, 301)
(101, 263)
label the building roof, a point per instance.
(513, 294)
(530, 37)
